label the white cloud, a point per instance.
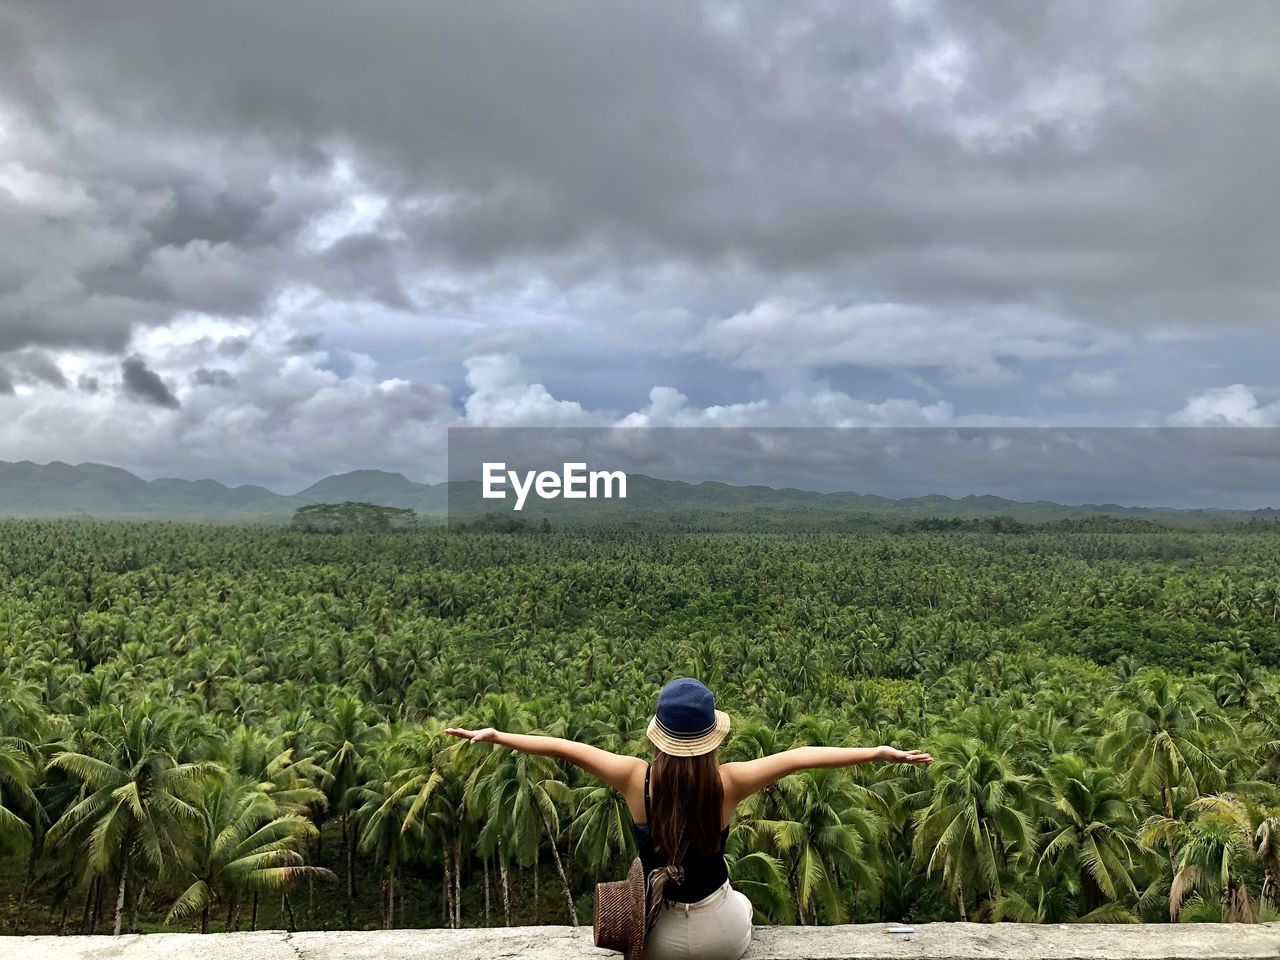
(814, 405)
(781, 333)
(501, 396)
(38, 190)
(1233, 406)
(278, 414)
(258, 403)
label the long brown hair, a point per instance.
(686, 798)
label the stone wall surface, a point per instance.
(931, 941)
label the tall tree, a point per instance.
(138, 807)
(977, 814)
(245, 844)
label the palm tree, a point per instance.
(976, 815)
(291, 783)
(445, 824)
(1093, 830)
(344, 741)
(1235, 681)
(522, 803)
(829, 835)
(245, 843)
(1266, 839)
(756, 873)
(602, 828)
(1163, 740)
(22, 818)
(423, 794)
(20, 811)
(382, 805)
(521, 794)
(137, 808)
(1213, 844)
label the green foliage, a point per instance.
(505, 523)
(1106, 634)
(352, 517)
(202, 724)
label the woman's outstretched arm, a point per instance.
(617, 770)
(751, 776)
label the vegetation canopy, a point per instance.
(217, 727)
(352, 517)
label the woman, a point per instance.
(681, 805)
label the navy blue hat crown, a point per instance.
(686, 708)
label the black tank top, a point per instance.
(704, 873)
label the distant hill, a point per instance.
(715, 505)
(91, 489)
(380, 487)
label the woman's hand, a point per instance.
(904, 756)
(487, 735)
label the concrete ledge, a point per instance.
(931, 941)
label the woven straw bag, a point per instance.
(618, 919)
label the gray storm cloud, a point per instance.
(143, 384)
(1110, 163)
(808, 213)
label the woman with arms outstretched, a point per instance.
(681, 806)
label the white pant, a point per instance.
(717, 927)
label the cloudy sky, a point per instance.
(269, 242)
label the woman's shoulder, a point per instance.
(729, 777)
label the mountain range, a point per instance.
(95, 490)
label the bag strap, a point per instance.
(648, 817)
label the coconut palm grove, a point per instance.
(209, 728)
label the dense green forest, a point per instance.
(238, 727)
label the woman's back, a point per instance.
(704, 871)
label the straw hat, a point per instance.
(687, 723)
(618, 919)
